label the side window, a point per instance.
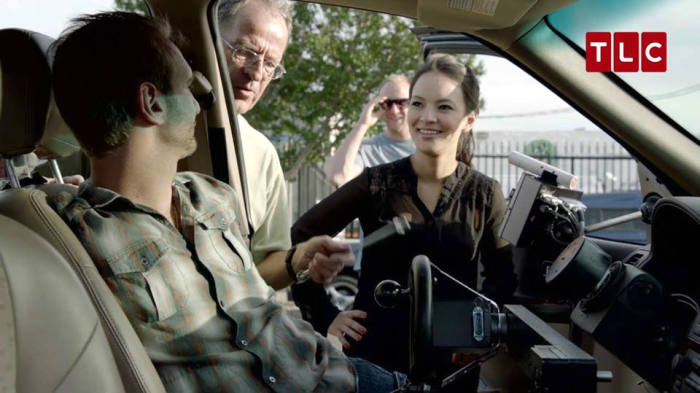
(50, 18)
(518, 113)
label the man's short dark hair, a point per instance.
(100, 61)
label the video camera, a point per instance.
(543, 216)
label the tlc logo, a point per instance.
(628, 54)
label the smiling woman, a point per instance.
(444, 104)
(454, 212)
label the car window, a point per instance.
(51, 18)
(674, 91)
(518, 113)
(47, 17)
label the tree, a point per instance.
(543, 150)
(336, 59)
(138, 6)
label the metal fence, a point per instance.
(310, 187)
(602, 167)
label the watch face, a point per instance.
(303, 276)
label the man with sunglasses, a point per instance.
(255, 36)
(354, 154)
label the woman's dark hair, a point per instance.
(450, 67)
(100, 61)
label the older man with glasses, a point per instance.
(354, 154)
(255, 35)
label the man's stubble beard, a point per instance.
(401, 130)
(191, 142)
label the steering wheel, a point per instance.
(421, 319)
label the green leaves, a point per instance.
(336, 59)
(137, 6)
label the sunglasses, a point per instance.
(387, 104)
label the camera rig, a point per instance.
(551, 361)
(643, 308)
(543, 216)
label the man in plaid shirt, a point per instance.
(168, 244)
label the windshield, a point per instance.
(675, 91)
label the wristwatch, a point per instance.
(299, 277)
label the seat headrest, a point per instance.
(28, 114)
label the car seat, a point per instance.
(51, 339)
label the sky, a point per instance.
(47, 16)
(506, 88)
(675, 91)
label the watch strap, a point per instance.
(288, 263)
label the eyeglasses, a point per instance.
(250, 58)
(399, 102)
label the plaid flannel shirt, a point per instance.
(195, 299)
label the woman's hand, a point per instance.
(344, 324)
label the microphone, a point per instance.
(397, 226)
(544, 170)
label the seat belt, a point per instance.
(219, 150)
(221, 171)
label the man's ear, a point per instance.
(149, 106)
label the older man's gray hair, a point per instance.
(229, 8)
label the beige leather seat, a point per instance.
(51, 339)
(25, 106)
